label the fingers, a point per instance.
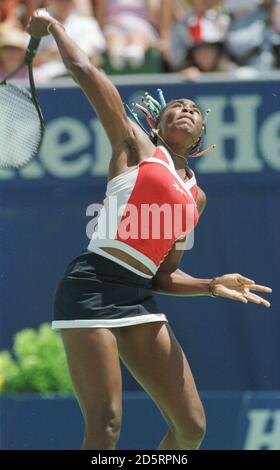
(244, 297)
(222, 291)
(238, 297)
(244, 280)
(256, 299)
(40, 12)
(249, 282)
(38, 23)
(259, 288)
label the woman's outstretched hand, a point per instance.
(237, 287)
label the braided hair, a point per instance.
(153, 110)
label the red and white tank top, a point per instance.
(145, 211)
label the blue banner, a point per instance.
(235, 421)
(43, 225)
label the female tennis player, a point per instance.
(104, 306)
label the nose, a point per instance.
(187, 108)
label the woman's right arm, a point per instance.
(100, 91)
(170, 280)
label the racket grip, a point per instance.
(31, 50)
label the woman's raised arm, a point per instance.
(100, 91)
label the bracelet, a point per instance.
(51, 23)
(211, 288)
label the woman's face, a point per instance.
(181, 123)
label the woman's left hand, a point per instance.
(38, 23)
(238, 287)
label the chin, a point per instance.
(184, 133)
(181, 134)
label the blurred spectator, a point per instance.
(26, 8)
(248, 41)
(84, 7)
(17, 12)
(13, 43)
(197, 40)
(84, 30)
(130, 29)
(9, 12)
(275, 31)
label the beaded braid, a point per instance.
(152, 109)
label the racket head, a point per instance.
(21, 129)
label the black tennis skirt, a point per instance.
(96, 292)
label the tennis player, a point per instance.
(104, 305)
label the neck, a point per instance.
(178, 153)
(179, 162)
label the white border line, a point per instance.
(110, 323)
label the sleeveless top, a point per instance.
(145, 211)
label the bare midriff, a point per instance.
(128, 259)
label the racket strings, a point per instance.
(20, 127)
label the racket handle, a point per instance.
(31, 50)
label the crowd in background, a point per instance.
(143, 36)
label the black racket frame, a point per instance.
(27, 61)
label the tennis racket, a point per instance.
(21, 118)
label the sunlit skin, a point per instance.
(180, 127)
